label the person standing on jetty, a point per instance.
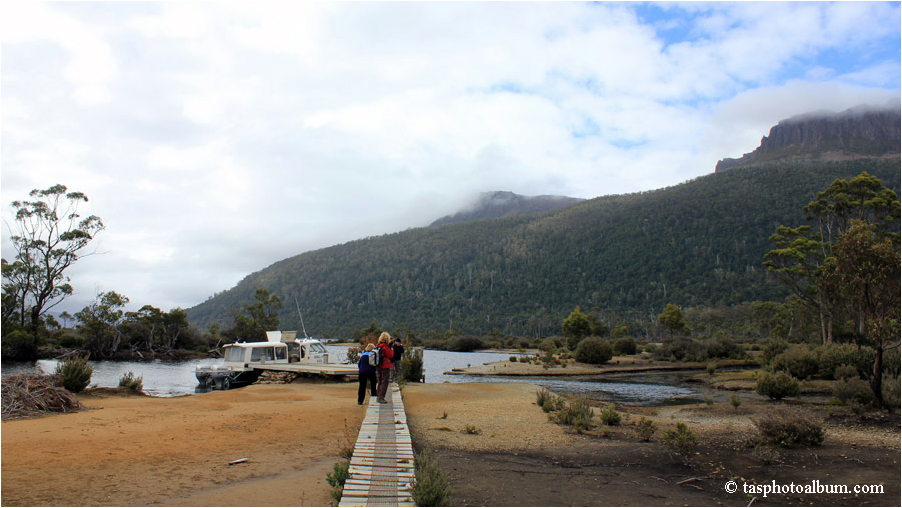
(366, 373)
(384, 372)
(398, 351)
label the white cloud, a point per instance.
(216, 138)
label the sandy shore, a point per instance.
(138, 451)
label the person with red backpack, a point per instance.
(383, 369)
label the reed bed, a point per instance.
(30, 395)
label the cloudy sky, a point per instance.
(214, 139)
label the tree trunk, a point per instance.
(877, 377)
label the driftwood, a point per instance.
(29, 395)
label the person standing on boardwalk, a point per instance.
(366, 373)
(398, 351)
(384, 372)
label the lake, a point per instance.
(167, 379)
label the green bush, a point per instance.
(594, 351)
(465, 343)
(130, 381)
(577, 414)
(833, 356)
(609, 415)
(681, 440)
(71, 340)
(777, 386)
(411, 366)
(854, 390)
(801, 361)
(20, 346)
(625, 346)
(337, 479)
(646, 429)
(735, 401)
(430, 486)
(845, 372)
(75, 373)
(772, 348)
(711, 368)
(790, 428)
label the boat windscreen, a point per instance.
(316, 347)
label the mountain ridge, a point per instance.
(861, 131)
(701, 242)
(495, 204)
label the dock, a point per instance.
(327, 369)
(382, 466)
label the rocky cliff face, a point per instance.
(857, 132)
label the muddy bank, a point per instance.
(519, 458)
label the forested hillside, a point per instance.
(698, 243)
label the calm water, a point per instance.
(177, 378)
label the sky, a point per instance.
(214, 139)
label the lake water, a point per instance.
(168, 379)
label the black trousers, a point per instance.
(361, 389)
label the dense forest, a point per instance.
(697, 244)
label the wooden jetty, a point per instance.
(382, 467)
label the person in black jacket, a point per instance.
(366, 373)
(398, 350)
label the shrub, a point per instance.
(130, 381)
(19, 345)
(790, 428)
(71, 340)
(75, 373)
(337, 479)
(577, 414)
(512, 359)
(543, 394)
(646, 429)
(854, 390)
(776, 386)
(845, 372)
(594, 351)
(353, 355)
(800, 361)
(465, 343)
(430, 486)
(470, 429)
(681, 440)
(712, 368)
(723, 347)
(553, 403)
(772, 348)
(625, 346)
(891, 389)
(411, 366)
(833, 356)
(609, 415)
(735, 401)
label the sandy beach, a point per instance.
(140, 451)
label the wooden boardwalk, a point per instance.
(382, 468)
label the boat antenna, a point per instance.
(301, 316)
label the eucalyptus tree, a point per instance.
(48, 235)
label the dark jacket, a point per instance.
(398, 350)
(363, 365)
(387, 355)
